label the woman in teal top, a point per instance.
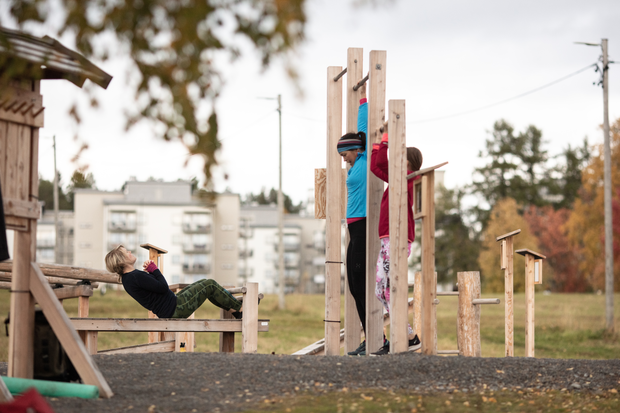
(352, 148)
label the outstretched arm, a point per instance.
(362, 113)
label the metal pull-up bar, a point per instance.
(337, 78)
(361, 82)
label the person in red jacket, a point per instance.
(379, 166)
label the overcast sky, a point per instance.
(443, 57)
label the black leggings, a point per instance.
(356, 267)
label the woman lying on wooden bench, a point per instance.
(150, 288)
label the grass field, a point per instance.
(567, 325)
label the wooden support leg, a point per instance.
(227, 340)
(68, 337)
(376, 117)
(417, 304)
(529, 305)
(332, 226)
(508, 299)
(468, 326)
(429, 279)
(249, 324)
(355, 56)
(398, 227)
(21, 329)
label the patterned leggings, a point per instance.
(190, 298)
(382, 288)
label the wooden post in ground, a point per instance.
(376, 117)
(507, 264)
(156, 255)
(355, 56)
(333, 258)
(417, 304)
(249, 321)
(398, 227)
(429, 281)
(468, 318)
(533, 275)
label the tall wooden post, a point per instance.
(468, 317)
(398, 227)
(429, 281)
(533, 262)
(507, 264)
(376, 117)
(333, 257)
(352, 333)
(156, 255)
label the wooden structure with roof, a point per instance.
(24, 61)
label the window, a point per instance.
(123, 220)
(196, 222)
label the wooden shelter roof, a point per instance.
(49, 59)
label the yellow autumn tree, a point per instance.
(505, 218)
(586, 224)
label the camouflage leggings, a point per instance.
(190, 298)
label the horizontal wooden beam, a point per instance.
(525, 252)
(21, 209)
(151, 246)
(510, 234)
(7, 276)
(162, 324)
(73, 292)
(447, 293)
(158, 347)
(477, 301)
(69, 271)
(425, 170)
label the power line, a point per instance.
(454, 115)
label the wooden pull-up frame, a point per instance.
(506, 264)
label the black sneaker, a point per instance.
(359, 351)
(383, 350)
(414, 344)
(238, 314)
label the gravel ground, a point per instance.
(216, 382)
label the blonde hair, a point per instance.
(115, 260)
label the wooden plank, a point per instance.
(509, 348)
(250, 322)
(24, 167)
(320, 192)
(376, 117)
(529, 305)
(8, 276)
(227, 340)
(9, 191)
(75, 291)
(71, 272)
(5, 394)
(163, 324)
(21, 347)
(468, 316)
(510, 234)
(535, 254)
(333, 256)
(355, 66)
(158, 251)
(3, 161)
(5, 285)
(67, 335)
(398, 207)
(429, 280)
(159, 347)
(417, 304)
(21, 209)
(425, 170)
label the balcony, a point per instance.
(191, 228)
(288, 246)
(197, 268)
(121, 226)
(246, 272)
(196, 248)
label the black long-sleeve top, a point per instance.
(151, 291)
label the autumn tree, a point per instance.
(586, 224)
(504, 218)
(548, 225)
(175, 48)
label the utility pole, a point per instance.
(56, 243)
(609, 251)
(609, 256)
(281, 277)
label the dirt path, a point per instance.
(215, 382)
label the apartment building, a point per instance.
(200, 236)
